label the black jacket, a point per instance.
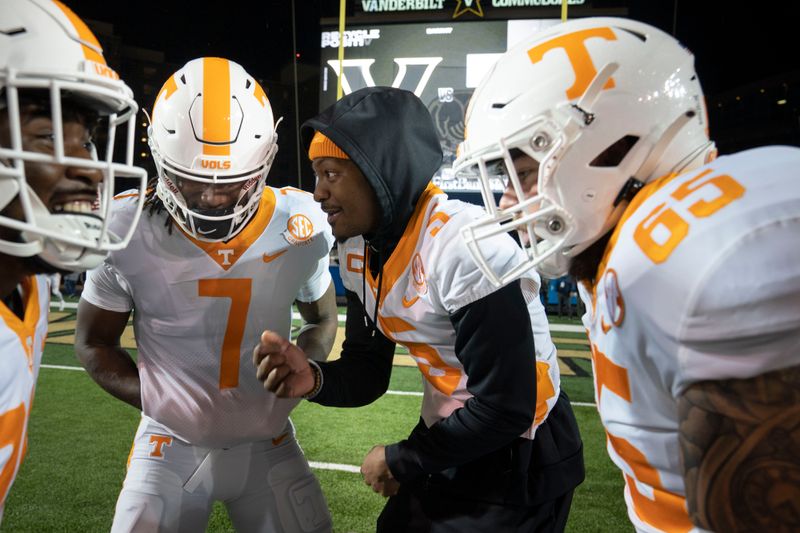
(389, 134)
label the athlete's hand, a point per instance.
(282, 366)
(376, 472)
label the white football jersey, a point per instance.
(700, 281)
(200, 308)
(430, 275)
(21, 345)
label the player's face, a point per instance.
(202, 196)
(527, 169)
(61, 188)
(346, 196)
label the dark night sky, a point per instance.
(736, 42)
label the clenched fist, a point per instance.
(282, 366)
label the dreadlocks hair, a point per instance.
(154, 205)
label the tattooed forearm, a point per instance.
(740, 447)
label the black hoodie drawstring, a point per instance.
(371, 322)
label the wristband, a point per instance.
(317, 371)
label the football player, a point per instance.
(497, 446)
(57, 95)
(218, 257)
(689, 265)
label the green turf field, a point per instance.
(79, 440)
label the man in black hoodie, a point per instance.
(472, 463)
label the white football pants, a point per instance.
(267, 486)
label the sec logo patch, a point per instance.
(299, 229)
(614, 302)
(418, 275)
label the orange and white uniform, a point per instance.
(199, 309)
(700, 281)
(21, 346)
(430, 275)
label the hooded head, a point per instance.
(381, 137)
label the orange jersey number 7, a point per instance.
(238, 290)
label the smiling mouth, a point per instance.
(80, 207)
(332, 215)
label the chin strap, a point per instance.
(628, 191)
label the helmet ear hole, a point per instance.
(614, 154)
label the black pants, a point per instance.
(526, 486)
(415, 509)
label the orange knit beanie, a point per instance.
(321, 146)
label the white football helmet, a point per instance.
(569, 97)
(45, 49)
(212, 124)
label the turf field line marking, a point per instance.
(567, 327)
(553, 327)
(62, 367)
(335, 466)
(414, 393)
(342, 318)
(393, 392)
(67, 305)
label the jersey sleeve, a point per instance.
(351, 261)
(743, 316)
(457, 278)
(316, 285)
(313, 289)
(107, 289)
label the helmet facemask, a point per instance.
(534, 216)
(211, 225)
(629, 124)
(72, 237)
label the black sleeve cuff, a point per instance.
(403, 462)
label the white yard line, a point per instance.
(553, 327)
(335, 466)
(62, 367)
(316, 464)
(67, 305)
(391, 392)
(296, 316)
(567, 327)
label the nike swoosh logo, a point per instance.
(280, 438)
(605, 327)
(267, 258)
(409, 303)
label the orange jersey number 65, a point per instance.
(678, 227)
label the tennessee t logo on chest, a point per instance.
(226, 255)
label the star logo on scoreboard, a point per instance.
(468, 6)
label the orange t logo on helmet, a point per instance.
(573, 45)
